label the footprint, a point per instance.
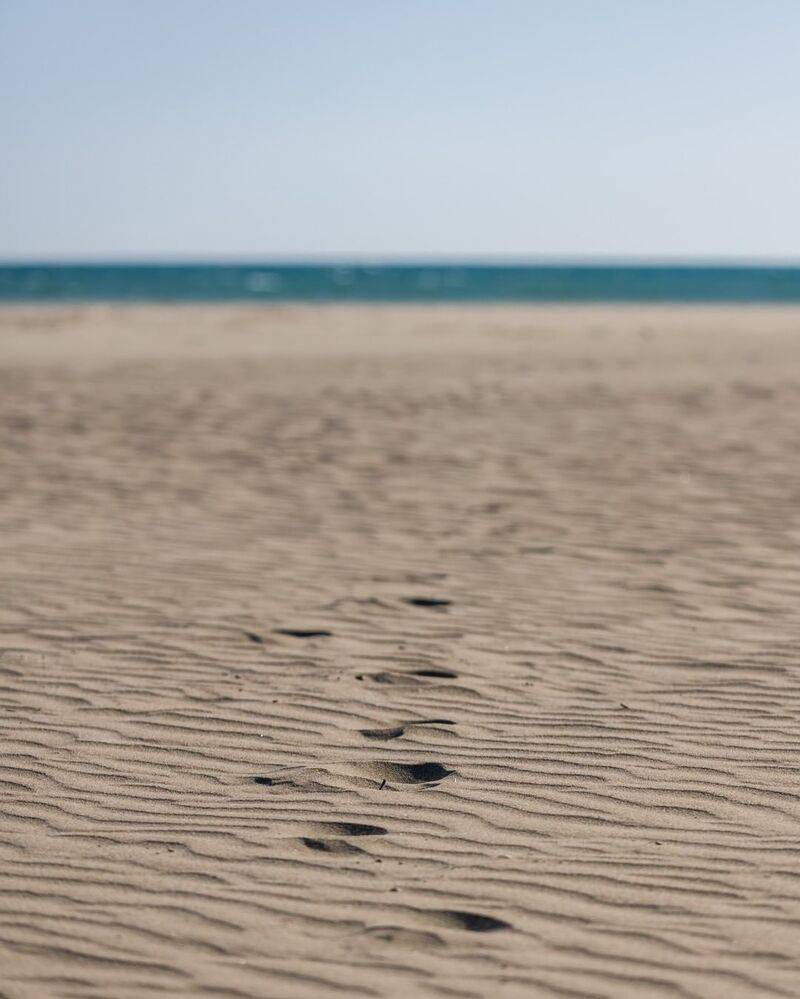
(383, 734)
(406, 773)
(339, 847)
(473, 922)
(272, 781)
(439, 674)
(400, 679)
(431, 602)
(305, 778)
(408, 678)
(394, 732)
(338, 778)
(303, 632)
(346, 829)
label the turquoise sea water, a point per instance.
(395, 283)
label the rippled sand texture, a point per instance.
(399, 652)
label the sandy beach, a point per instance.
(399, 652)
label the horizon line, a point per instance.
(404, 260)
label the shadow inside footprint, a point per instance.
(407, 678)
(431, 602)
(408, 773)
(303, 632)
(395, 731)
(348, 829)
(335, 846)
(254, 637)
(271, 781)
(383, 734)
(474, 922)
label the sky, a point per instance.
(397, 129)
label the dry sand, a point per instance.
(580, 777)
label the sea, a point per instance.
(393, 282)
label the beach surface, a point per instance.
(399, 652)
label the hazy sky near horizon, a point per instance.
(399, 128)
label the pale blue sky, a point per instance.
(400, 128)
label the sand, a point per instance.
(399, 652)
